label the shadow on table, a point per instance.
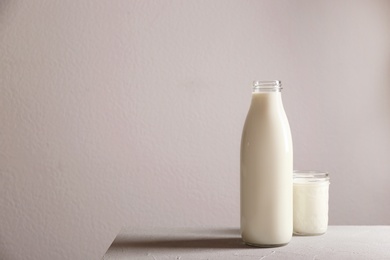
(177, 242)
(209, 243)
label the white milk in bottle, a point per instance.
(266, 169)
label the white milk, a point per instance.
(266, 173)
(311, 208)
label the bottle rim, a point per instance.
(267, 85)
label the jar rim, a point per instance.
(310, 176)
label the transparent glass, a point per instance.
(267, 86)
(311, 202)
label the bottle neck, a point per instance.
(267, 100)
(267, 96)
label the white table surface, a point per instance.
(340, 242)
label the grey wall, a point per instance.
(120, 113)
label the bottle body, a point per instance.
(266, 172)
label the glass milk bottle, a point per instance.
(266, 169)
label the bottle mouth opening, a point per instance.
(267, 85)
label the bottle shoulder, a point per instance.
(266, 116)
(266, 125)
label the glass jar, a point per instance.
(311, 202)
